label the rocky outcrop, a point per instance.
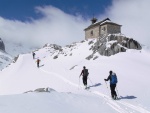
(39, 90)
(125, 42)
(54, 46)
(2, 46)
(113, 44)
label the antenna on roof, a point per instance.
(93, 20)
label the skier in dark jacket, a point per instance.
(33, 55)
(112, 84)
(84, 73)
(38, 61)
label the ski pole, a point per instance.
(106, 84)
(90, 80)
(107, 88)
(79, 84)
(117, 91)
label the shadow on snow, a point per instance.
(128, 97)
(95, 85)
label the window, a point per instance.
(103, 29)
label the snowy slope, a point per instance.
(62, 75)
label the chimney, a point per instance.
(93, 20)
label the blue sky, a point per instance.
(37, 22)
(24, 9)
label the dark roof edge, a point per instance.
(110, 23)
(99, 23)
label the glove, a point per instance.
(105, 79)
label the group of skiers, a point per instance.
(37, 61)
(112, 77)
(84, 73)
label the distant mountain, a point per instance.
(5, 58)
(2, 46)
(10, 50)
(15, 49)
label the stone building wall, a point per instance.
(92, 32)
(99, 30)
(111, 29)
(103, 29)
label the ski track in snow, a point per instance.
(137, 108)
(111, 102)
(114, 104)
(60, 77)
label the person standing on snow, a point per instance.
(113, 81)
(38, 61)
(84, 73)
(33, 55)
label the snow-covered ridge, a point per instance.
(57, 51)
(108, 45)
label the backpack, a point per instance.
(113, 79)
(86, 73)
(38, 60)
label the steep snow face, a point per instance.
(61, 73)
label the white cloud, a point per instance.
(134, 15)
(55, 26)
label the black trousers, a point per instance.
(112, 88)
(84, 80)
(37, 64)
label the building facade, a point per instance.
(99, 29)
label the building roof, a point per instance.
(103, 22)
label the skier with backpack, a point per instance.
(85, 74)
(33, 54)
(38, 61)
(113, 81)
